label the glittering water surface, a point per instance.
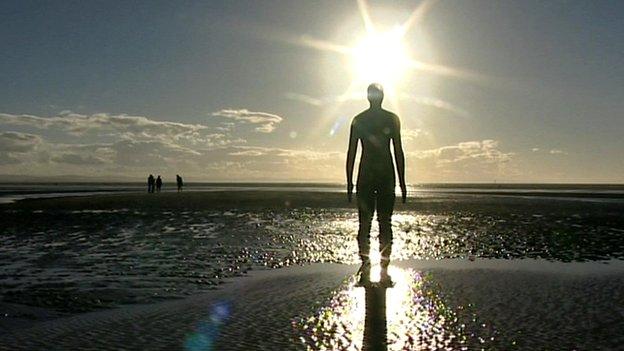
(83, 260)
(409, 316)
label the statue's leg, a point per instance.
(385, 207)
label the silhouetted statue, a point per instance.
(150, 184)
(375, 128)
(375, 325)
(158, 183)
(179, 182)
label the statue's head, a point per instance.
(375, 94)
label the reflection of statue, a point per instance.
(375, 329)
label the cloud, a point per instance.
(78, 159)
(437, 103)
(306, 99)
(106, 143)
(557, 152)
(256, 151)
(257, 162)
(246, 153)
(150, 153)
(464, 161)
(136, 127)
(411, 134)
(267, 121)
(486, 150)
(535, 149)
(8, 159)
(14, 146)
(18, 142)
(324, 101)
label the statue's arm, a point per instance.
(399, 157)
(351, 152)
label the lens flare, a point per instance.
(207, 330)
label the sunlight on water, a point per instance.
(342, 233)
(409, 315)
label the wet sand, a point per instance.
(74, 255)
(165, 271)
(491, 304)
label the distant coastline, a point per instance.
(14, 191)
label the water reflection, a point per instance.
(375, 327)
(410, 315)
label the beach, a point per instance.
(439, 305)
(140, 271)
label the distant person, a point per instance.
(179, 182)
(158, 183)
(375, 128)
(150, 184)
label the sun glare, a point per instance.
(381, 57)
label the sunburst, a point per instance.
(383, 56)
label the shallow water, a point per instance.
(73, 261)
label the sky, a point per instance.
(487, 91)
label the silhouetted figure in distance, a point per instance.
(158, 183)
(150, 184)
(375, 128)
(179, 182)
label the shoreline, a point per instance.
(11, 193)
(282, 199)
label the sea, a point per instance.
(10, 192)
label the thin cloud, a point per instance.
(14, 146)
(420, 100)
(323, 101)
(306, 99)
(557, 152)
(411, 134)
(437, 103)
(464, 161)
(18, 142)
(79, 124)
(78, 159)
(267, 121)
(481, 151)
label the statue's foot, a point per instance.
(385, 280)
(364, 272)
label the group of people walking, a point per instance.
(155, 184)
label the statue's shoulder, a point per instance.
(359, 117)
(392, 117)
(390, 114)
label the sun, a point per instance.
(381, 57)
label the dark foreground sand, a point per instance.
(494, 304)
